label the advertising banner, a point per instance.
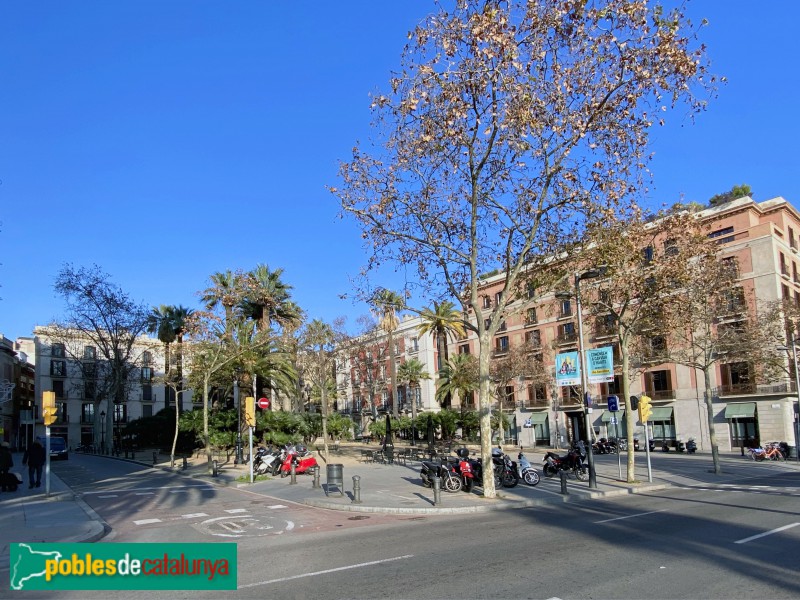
(567, 369)
(600, 365)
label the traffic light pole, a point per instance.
(47, 461)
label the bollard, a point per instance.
(356, 489)
(133, 455)
(315, 483)
(155, 457)
(293, 474)
(214, 468)
(563, 477)
(126, 453)
(437, 491)
(185, 463)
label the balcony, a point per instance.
(736, 389)
(660, 394)
(536, 403)
(566, 338)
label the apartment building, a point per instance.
(763, 237)
(363, 373)
(16, 395)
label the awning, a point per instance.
(538, 418)
(606, 418)
(661, 413)
(742, 410)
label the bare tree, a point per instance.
(509, 126)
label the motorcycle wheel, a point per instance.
(582, 474)
(510, 479)
(284, 474)
(468, 485)
(549, 470)
(531, 477)
(452, 484)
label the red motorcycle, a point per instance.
(300, 457)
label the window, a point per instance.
(87, 412)
(89, 370)
(502, 326)
(58, 368)
(658, 384)
(784, 268)
(605, 325)
(566, 308)
(147, 393)
(508, 400)
(656, 346)
(647, 255)
(89, 390)
(530, 316)
(530, 291)
(566, 332)
(120, 413)
(498, 297)
(414, 344)
(90, 353)
(463, 349)
(486, 323)
(487, 302)
(533, 338)
(734, 301)
(147, 410)
(670, 247)
(147, 357)
(722, 236)
(792, 240)
(730, 267)
(57, 350)
(147, 374)
(501, 344)
(58, 388)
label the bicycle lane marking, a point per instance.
(632, 516)
(766, 533)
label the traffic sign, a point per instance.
(613, 404)
(263, 403)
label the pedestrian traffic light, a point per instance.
(49, 410)
(634, 403)
(644, 409)
(250, 411)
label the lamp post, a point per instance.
(797, 410)
(103, 432)
(239, 459)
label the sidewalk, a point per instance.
(28, 516)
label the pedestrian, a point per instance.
(6, 462)
(34, 457)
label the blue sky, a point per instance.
(168, 140)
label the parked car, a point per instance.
(58, 447)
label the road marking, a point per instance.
(145, 494)
(766, 533)
(109, 496)
(146, 521)
(631, 516)
(236, 510)
(202, 485)
(194, 515)
(326, 571)
(277, 506)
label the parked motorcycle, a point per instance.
(604, 446)
(504, 470)
(300, 457)
(691, 446)
(526, 471)
(266, 460)
(465, 470)
(571, 462)
(449, 479)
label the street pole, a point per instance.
(584, 394)
(797, 391)
(239, 459)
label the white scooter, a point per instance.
(526, 472)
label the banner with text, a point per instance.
(600, 365)
(567, 369)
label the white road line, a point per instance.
(194, 515)
(146, 521)
(632, 516)
(171, 487)
(109, 496)
(277, 506)
(236, 510)
(145, 494)
(760, 535)
(326, 571)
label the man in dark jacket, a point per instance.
(34, 457)
(6, 462)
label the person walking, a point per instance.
(34, 457)
(6, 462)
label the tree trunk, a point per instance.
(629, 420)
(206, 439)
(485, 414)
(393, 376)
(710, 413)
(177, 428)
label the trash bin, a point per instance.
(335, 477)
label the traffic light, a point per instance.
(49, 410)
(634, 403)
(644, 409)
(250, 411)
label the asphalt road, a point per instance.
(723, 541)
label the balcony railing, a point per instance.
(567, 338)
(661, 394)
(535, 402)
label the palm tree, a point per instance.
(267, 298)
(387, 304)
(411, 373)
(226, 291)
(459, 376)
(159, 322)
(441, 321)
(178, 316)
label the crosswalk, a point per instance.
(200, 515)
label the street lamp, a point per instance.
(797, 391)
(590, 274)
(103, 432)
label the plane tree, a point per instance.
(508, 127)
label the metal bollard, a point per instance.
(293, 473)
(155, 457)
(563, 477)
(185, 463)
(126, 453)
(437, 491)
(356, 489)
(214, 468)
(315, 483)
(133, 455)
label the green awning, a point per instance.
(661, 413)
(538, 418)
(606, 418)
(742, 410)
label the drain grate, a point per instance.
(358, 518)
